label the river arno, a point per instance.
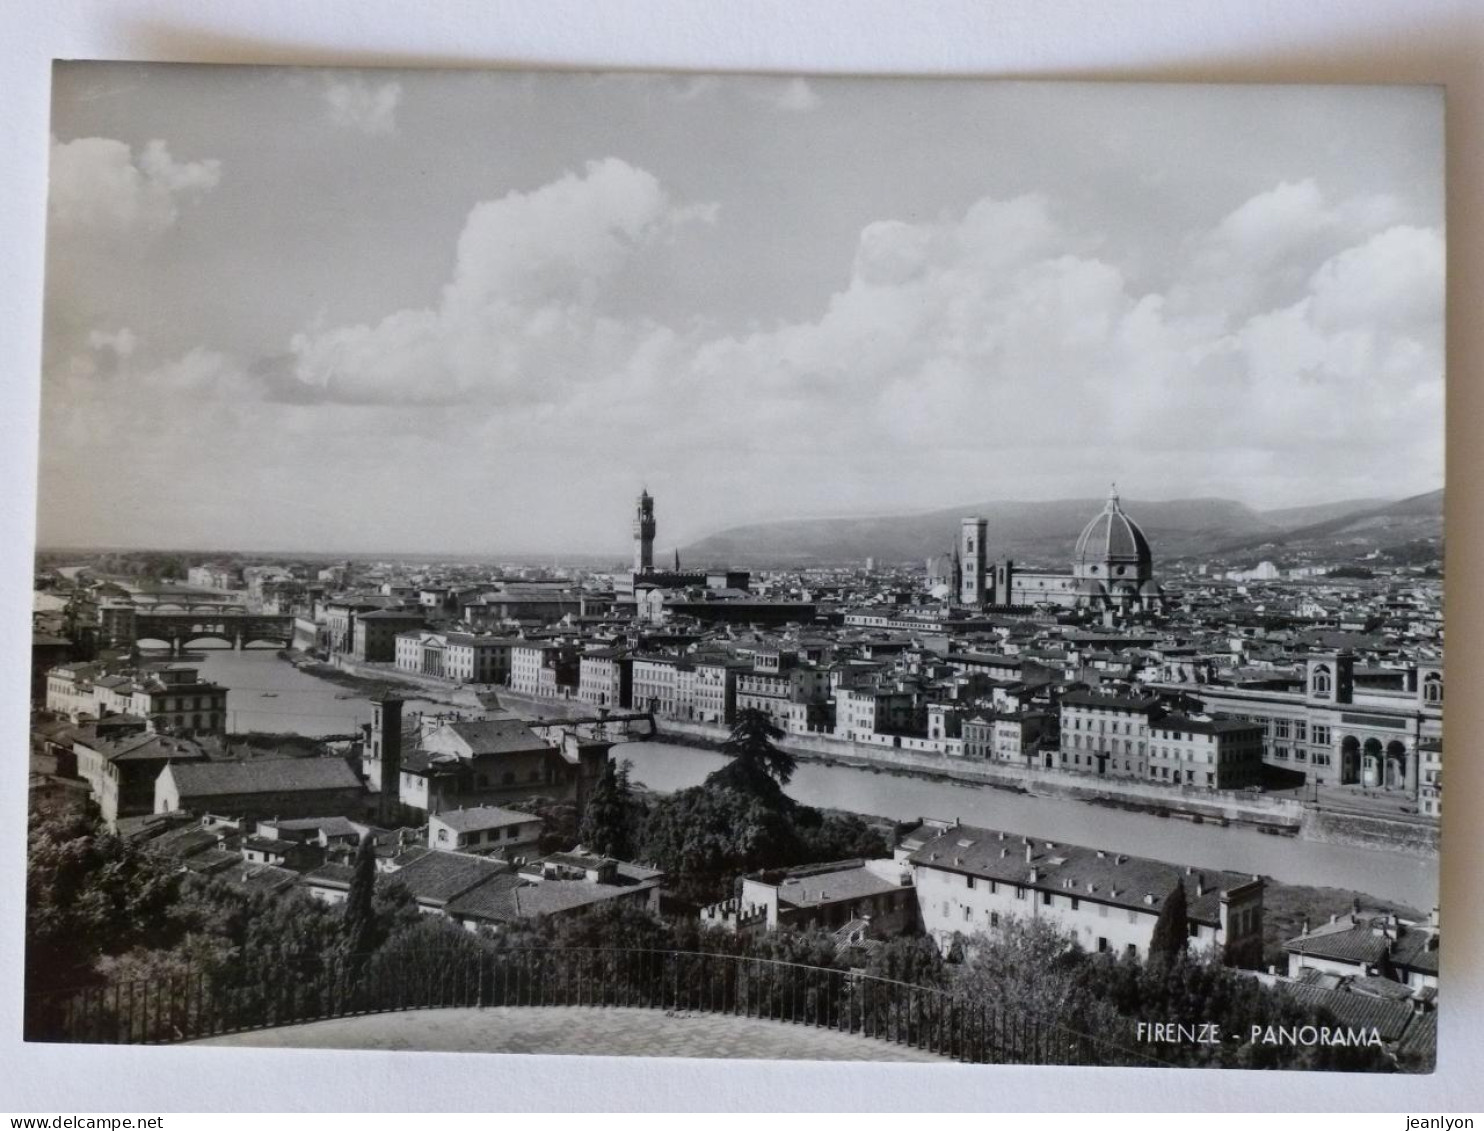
(306, 705)
(1407, 879)
(266, 693)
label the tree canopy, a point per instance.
(758, 765)
(610, 820)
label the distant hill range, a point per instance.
(1045, 533)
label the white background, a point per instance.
(1421, 41)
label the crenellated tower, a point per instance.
(644, 534)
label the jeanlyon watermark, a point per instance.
(1209, 1033)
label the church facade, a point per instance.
(1112, 569)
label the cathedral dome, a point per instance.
(1113, 540)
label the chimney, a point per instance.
(1200, 885)
(1030, 853)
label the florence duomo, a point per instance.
(1112, 569)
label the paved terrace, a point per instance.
(579, 1031)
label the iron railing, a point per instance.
(195, 1004)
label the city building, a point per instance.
(877, 893)
(563, 884)
(972, 880)
(375, 631)
(1202, 751)
(628, 587)
(122, 766)
(544, 669)
(460, 657)
(261, 788)
(442, 763)
(1112, 569)
(1378, 728)
(484, 829)
(1369, 945)
(170, 698)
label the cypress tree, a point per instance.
(1171, 933)
(359, 924)
(607, 822)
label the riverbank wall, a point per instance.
(370, 679)
(1280, 815)
(1284, 816)
(1360, 830)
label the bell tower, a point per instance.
(973, 557)
(644, 533)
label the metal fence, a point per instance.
(195, 1004)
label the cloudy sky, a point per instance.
(476, 311)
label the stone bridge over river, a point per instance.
(177, 627)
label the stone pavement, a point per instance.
(577, 1030)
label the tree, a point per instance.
(360, 925)
(89, 894)
(1171, 933)
(1029, 970)
(706, 836)
(757, 765)
(608, 821)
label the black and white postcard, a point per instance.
(740, 567)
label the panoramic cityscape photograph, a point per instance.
(731, 566)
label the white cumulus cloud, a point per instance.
(99, 185)
(356, 104)
(521, 321)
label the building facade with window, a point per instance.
(1377, 729)
(1207, 752)
(1107, 733)
(977, 881)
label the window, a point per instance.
(1102, 945)
(968, 913)
(969, 882)
(1019, 892)
(1321, 735)
(994, 918)
(1045, 899)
